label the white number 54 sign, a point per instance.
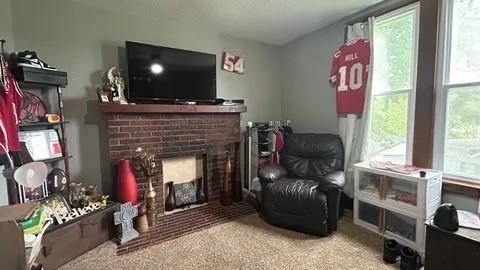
(232, 63)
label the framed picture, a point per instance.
(41, 144)
(32, 194)
(56, 206)
(103, 96)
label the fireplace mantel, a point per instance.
(169, 108)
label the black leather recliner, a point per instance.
(303, 194)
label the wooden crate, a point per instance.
(77, 237)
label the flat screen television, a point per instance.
(162, 75)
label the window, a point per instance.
(457, 142)
(393, 89)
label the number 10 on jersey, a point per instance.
(350, 79)
(232, 63)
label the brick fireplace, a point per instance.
(175, 131)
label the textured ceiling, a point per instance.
(269, 21)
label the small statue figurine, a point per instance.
(114, 85)
(124, 218)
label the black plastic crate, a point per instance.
(40, 76)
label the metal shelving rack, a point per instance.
(259, 144)
(60, 125)
(44, 79)
(29, 83)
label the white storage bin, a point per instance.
(396, 205)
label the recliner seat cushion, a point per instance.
(312, 156)
(298, 197)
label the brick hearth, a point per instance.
(174, 134)
(182, 223)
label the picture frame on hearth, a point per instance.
(185, 194)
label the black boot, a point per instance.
(410, 259)
(391, 250)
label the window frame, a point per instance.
(415, 8)
(441, 91)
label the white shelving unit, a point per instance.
(396, 205)
(259, 146)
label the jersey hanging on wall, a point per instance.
(349, 75)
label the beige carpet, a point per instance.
(248, 243)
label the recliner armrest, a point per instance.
(271, 173)
(333, 180)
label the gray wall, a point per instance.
(84, 42)
(461, 202)
(308, 99)
(6, 27)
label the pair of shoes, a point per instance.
(30, 59)
(391, 251)
(409, 258)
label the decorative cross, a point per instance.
(124, 217)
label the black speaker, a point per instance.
(446, 217)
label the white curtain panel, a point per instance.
(352, 128)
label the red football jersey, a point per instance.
(11, 98)
(349, 75)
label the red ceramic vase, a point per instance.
(126, 183)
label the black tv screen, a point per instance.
(161, 74)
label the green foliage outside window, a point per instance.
(393, 55)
